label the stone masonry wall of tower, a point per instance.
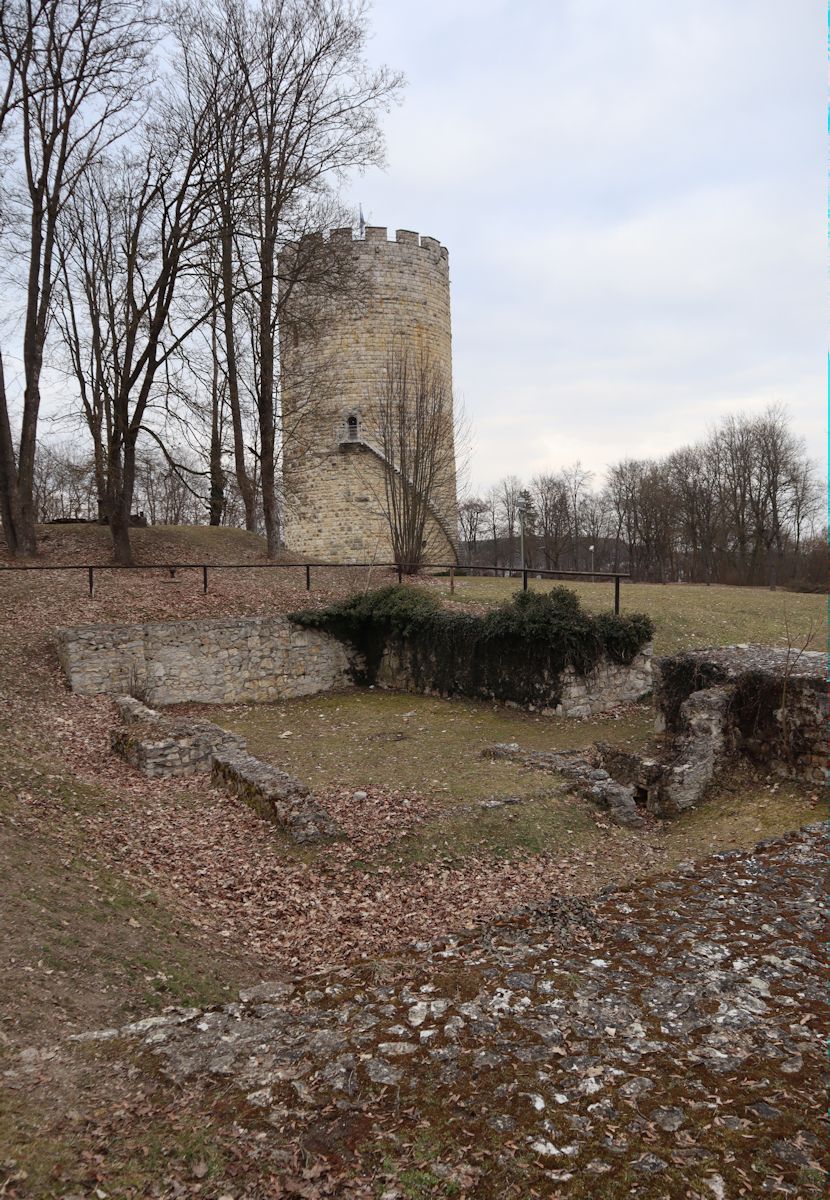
(334, 487)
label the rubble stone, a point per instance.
(664, 964)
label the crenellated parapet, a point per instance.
(376, 236)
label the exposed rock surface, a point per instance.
(671, 1029)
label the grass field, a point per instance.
(433, 748)
(373, 738)
(686, 614)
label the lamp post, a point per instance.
(591, 548)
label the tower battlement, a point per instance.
(376, 236)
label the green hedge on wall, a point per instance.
(516, 652)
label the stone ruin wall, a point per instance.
(248, 660)
(715, 707)
(763, 703)
(572, 694)
(237, 660)
(161, 745)
(335, 495)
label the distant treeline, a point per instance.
(742, 506)
(172, 488)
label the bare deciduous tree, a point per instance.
(70, 72)
(550, 498)
(577, 480)
(413, 425)
(133, 225)
(509, 492)
(738, 507)
(472, 514)
(296, 107)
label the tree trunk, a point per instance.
(9, 508)
(122, 476)
(217, 475)
(99, 460)
(17, 518)
(267, 409)
(120, 533)
(247, 490)
(269, 498)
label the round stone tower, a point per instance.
(335, 358)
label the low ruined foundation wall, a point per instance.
(716, 706)
(161, 746)
(566, 695)
(236, 660)
(769, 704)
(274, 795)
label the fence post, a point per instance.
(308, 577)
(400, 573)
(524, 579)
(204, 580)
(617, 594)
(91, 583)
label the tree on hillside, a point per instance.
(69, 74)
(132, 228)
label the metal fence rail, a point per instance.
(453, 570)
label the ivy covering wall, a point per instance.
(516, 652)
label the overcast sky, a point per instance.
(633, 200)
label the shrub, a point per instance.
(516, 652)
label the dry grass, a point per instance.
(687, 615)
(375, 738)
(82, 544)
